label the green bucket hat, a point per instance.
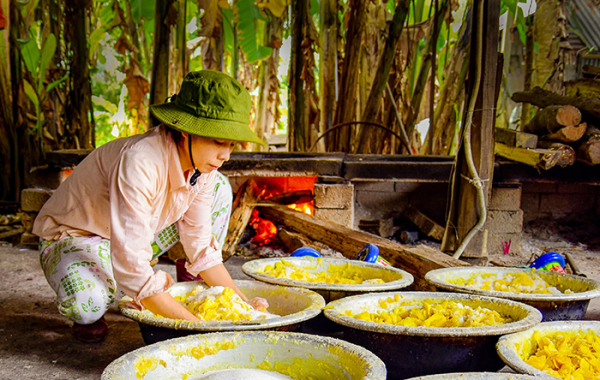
(209, 104)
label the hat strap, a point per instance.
(197, 174)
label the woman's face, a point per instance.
(209, 154)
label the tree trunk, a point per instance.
(328, 83)
(543, 98)
(9, 175)
(589, 150)
(159, 85)
(79, 107)
(346, 109)
(267, 109)
(383, 71)
(552, 118)
(442, 128)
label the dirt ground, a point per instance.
(36, 342)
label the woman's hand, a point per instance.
(259, 304)
(164, 304)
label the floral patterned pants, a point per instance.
(80, 272)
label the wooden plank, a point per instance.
(516, 139)
(415, 260)
(425, 223)
(243, 205)
(538, 158)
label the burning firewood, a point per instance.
(243, 205)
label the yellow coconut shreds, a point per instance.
(524, 282)
(220, 304)
(430, 313)
(567, 355)
(143, 365)
(335, 274)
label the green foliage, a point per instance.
(247, 16)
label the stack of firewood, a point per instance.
(565, 129)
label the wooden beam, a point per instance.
(415, 260)
(538, 158)
(464, 210)
(425, 223)
(516, 139)
(243, 205)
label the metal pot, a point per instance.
(510, 346)
(394, 278)
(294, 305)
(475, 376)
(420, 351)
(299, 356)
(554, 307)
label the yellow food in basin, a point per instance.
(335, 274)
(220, 304)
(509, 282)
(566, 355)
(429, 313)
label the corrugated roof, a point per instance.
(584, 19)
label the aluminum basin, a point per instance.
(294, 305)
(475, 376)
(395, 278)
(510, 346)
(554, 307)
(299, 356)
(419, 351)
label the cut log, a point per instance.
(542, 98)
(416, 260)
(553, 118)
(589, 149)
(516, 139)
(243, 205)
(538, 158)
(568, 134)
(567, 153)
(425, 224)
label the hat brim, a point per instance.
(171, 115)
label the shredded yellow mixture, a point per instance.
(510, 282)
(220, 304)
(335, 274)
(566, 355)
(430, 313)
(143, 365)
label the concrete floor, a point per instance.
(36, 342)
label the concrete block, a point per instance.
(27, 219)
(504, 222)
(406, 187)
(504, 198)
(577, 188)
(48, 178)
(530, 202)
(374, 185)
(387, 202)
(562, 204)
(33, 199)
(30, 240)
(334, 196)
(495, 243)
(339, 216)
(530, 187)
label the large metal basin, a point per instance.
(394, 278)
(510, 346)
(294, 305)
(299, 356)
(420, 351)
(554, 307)
(475, 376)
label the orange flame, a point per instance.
(306, 208)
(265, 229)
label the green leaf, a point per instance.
(31, 54)
(227, 30)
(30, 92)
(56, 83)
(245, 25)
(141, 9)
(108, 106)
(47, 53)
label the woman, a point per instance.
(131, 199)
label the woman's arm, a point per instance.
(219, 276)
(164, 304)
